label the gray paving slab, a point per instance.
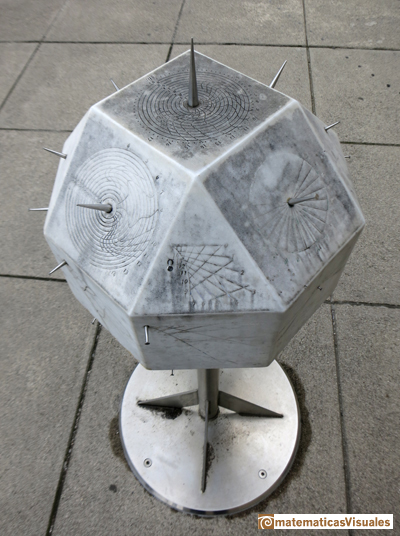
(369, 344)
(120, 20)
(46, 335)
(45, 345)
(353, 23)
(26, 181)
(250, 21)
(359, 88)
(13, 58)
(372, 274)
(101, 495)
(262, 63)
(24, 20)
(64, 80)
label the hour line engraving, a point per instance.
(207, 273)
(290, 211)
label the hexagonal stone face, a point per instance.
(201, 244)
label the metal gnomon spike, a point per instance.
(114, 84)
(278, 74)
(101, 207)
(57, 153)
(193, 99)
(331, 126)
(63, 263)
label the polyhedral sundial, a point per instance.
(202, 217)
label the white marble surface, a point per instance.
(201, 244)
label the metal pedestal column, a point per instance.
(208, 388)
(220, 457)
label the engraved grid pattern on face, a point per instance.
(224, 107)
(208, 274)
(291, 228)
(119, 178)
(195, 336)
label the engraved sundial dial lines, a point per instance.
(194, 337)
(117, 177)
(290, 228)
(207, 273)
(225, 106)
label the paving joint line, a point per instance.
(365, 304)
(175, 30)
(35, 130)
(286, 45)
(19, 76)
(369, 143)
(34, 278)
(73, 433)
(228, 43)
(30, 59)
(332, 303)
(342, 423)
(310, 77)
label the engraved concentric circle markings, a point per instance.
(119, 178)
(224, 106)
(280, 178)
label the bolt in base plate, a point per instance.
(248, 457)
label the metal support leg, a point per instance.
(242, 407)
(208, 388)
(208, 392)
(208, 382)
(205, 449)
(180, 400)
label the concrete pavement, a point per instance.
(62, 468)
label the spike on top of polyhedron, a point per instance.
(192, 108)
(193, 99)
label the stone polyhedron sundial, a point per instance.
(203, 227)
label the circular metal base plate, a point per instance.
(248, 456)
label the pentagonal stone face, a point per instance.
(133, 193)
(287, 160)
(115, 249)
(231, 106)
(201, 244)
